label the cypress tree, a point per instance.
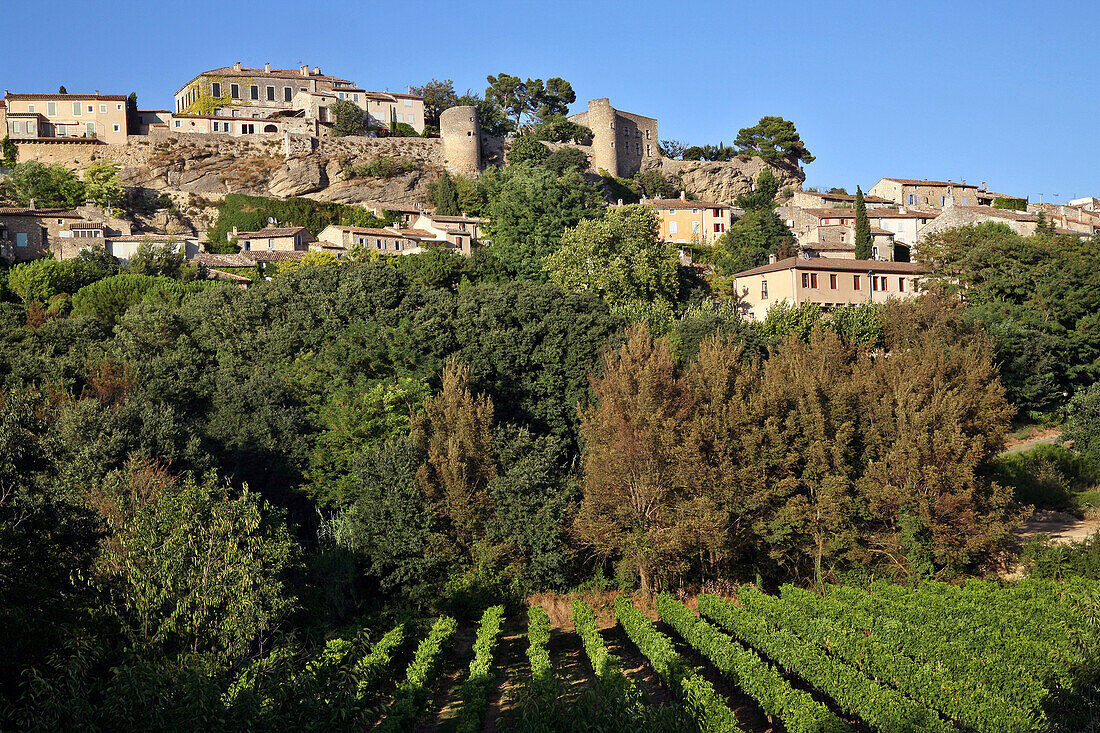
(445, 196)
(863, 228)
(62, 90)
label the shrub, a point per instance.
(527, 149)
(1047, 476)
(1083, 422)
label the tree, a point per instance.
(750, 240)
(559, 129)
(633, 437)
(510, 94)
(551, 100)
(564, 159)
(620, 257)
(1083, 422)
(102, 184)
(46, 185)
(62, 90)
(526, 149)
(529, 209)
(863, 228)
(762, 196)
(191, 565)
(672, 149)
(438, 96)
(445, 196)
(350, 119)
(773, 139)
(9, 152)
(165, 259)
(656, 185)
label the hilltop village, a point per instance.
(293, 117)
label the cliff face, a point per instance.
(723, 182)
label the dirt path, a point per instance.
(446, 702)
(636, 667)
(1062, 528)
(1041, 436)
(513, 671)
(570, 664)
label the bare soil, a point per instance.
(1062, 528)
(1039, 436)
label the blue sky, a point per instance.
(1004, 92)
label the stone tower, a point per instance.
(621, 141)
(461, 133)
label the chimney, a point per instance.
(267, 67)
(317, 70)
(771, 259)
(683, 195)
(964, 181)
(32, 206)
(983, 185)
(303, 70)
(620, 202)
(237, 66)
(97, 92)
(234, 232)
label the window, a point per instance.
(943, 200)
(805, 280)
(695, 211)
(672, 228)
(912, 199)
(813, 280)
(874, 253)
(118, 107)
(30, 108)
(672, 211)
(718, 227)
(408, 103)
(340, 95)
(91, 108)
(271, 94)
(855, 281)
(378, 243)
(288, 94)
(647, 135)
(247, 245)
(20, 239)
(235, 91)
(216, 89)
(696, 227)
(716, 212)
(116, 128)
(177, 123)
(832, 282)
(612, 143)
(51, 109)
(964, 200)
(254, 92)
(76, 109)
(648, 151)
(355, 98)
(763, 290)
(247, 129)
(901, 284)
(397, 246)
(103, 109)
(884, 288)
(874, 283)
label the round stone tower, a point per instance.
(461, 133)
(601, 120)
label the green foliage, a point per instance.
(383, 166)
(543, 682)
(1002, 202)
(438, 96)
(710, 710)
(349, 116)
(109, 298)
(522, 99)
(1043, 557)
(102, 184)
(564, 159)
(526, 149)
(762, 197)
(559, 129)
(530, 208)
(863, 228)
(719, 152)
(45, 279)
(773, 139)
(47, 185)
(656, 185)
(749, 241)
(1083, 422)
(1048, 476)
(9, 152)
(251, 213)
(164, 259)
(413, 694)
(798, 710)
(475, 690)
(444, 195)
(620, 257)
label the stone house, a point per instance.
(459, 231)
(829, 282)
(924, 193)
(274, 239)
(386, 240)
(382, 108)
(123, 247)
(902, 224)
(30, 233)
(839, 240)
(66, 117)
(819, 200)
(621, 141)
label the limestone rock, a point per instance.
(298, 176)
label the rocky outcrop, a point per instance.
(723, 182)
(298, 176)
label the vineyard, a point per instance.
(980, 657)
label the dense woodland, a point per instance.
(203, 487)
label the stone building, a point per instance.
(621, 141)
(461, 133)
(902, 223)
(274, 239)
(30, 233)
(66, 117)
(829, 282)
(924, 193)
(685, 221)
(820, 200)
(338, 238)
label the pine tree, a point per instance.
(863, 228)
(62, 90)
(445, 196)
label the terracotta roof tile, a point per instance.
(822, 263)
(915, 182)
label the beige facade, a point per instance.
(32, 233)
(384, 108)
(621, 141)
(685, 221)
(902, 224)
(819, 200)
(89, 117)
(828, 282)
(924, 193)
(122, 248)
(386, 240)
(274, 239)
(255, 93)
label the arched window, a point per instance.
(270, 128)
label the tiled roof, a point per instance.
(246, 259)
(997, 213)
(821, 263)
(276, 256)
(73, 97)
(58, 213)
(872, 214)
(149, 238)
(847, 197)
(373, 231)
(459, 219)
(229, 71)
(271, 232)
(915, 182)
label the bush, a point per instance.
(563, 159)
(1083, 422)
(1047, 476)
(109, 298)
(526, 149)
(383, 167)
(1043, 558)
